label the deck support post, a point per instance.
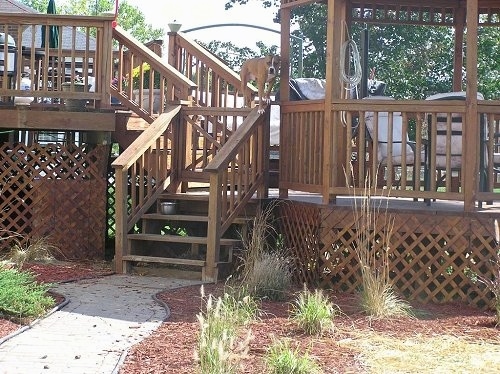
(121, 242)
(214, 228)
(471, 146)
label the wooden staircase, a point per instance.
(198, 136)
(178, 241)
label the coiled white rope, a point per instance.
(350, 51)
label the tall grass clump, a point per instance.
(282, 358)
(374, 228)
(34, 249)
(21, 297)
(265, 267)
(219, 349)
(313, 312)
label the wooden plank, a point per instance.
(179, 239)
(164, 260)
(189, 217)
(25, 118)
(185, 196)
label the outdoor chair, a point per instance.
(445, 144)
(390, 145)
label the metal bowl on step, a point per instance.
(168, 207)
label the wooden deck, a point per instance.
(395, 203)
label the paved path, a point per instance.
(91, 334)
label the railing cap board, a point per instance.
(154, 60)
(146, 139)
(227, 153)
(218, 67)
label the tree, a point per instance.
(414, 61)
(129, 17)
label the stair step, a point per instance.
(164, 260)
(184, 196)
(188, 217)
(180, 239)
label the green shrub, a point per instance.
(281, 358)
(313, 312)
(21, 296)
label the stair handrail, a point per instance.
(181, 46)
(178, 87)
(152, 176)
(248, 149)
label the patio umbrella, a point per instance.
(53, 30)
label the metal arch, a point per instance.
(300, 40)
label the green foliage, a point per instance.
(488, 63)
(218, 349)
(229, 53)
(313, 312)
(414, 61)
(281, 358)
(130, 17)
(238, 302)
(312, 20)
(21, 296)
(145, 71)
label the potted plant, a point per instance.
(77, 85)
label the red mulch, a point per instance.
(170, 349)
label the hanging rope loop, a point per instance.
(350, 53)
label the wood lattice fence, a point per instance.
(54, 191)
(433, 256)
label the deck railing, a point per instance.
(446, 157)
(217, 84)
(142, 81)
(236, 173)
(301, 144)
(142, 172)
(206, 132)
(80, 48)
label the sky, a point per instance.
(196, 13)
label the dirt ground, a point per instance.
(347, 349)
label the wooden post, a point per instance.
(284, 77)
(471, 128)
(263, 153)
(214, 228)
(121, 243)
(103, 79)
(334, 133)
(458, 53)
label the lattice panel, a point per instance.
(432, 256)
(55, 191)
(300, 226)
